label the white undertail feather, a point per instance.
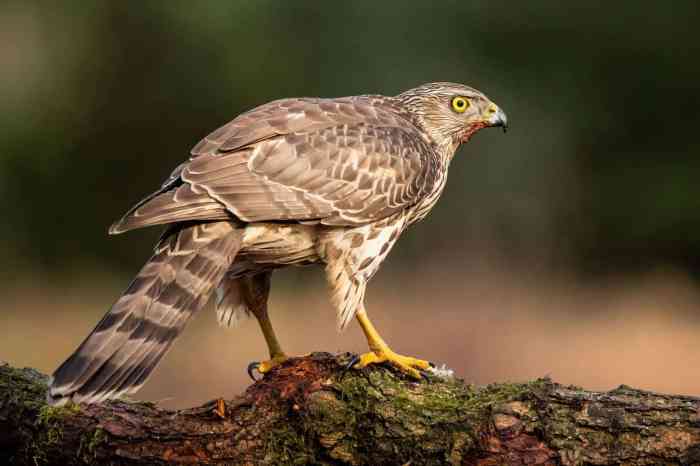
(229, 303)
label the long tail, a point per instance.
(130, 340)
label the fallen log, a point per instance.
(310, 410)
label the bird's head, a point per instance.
(451, 113)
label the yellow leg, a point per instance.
(255, 290)
(380, 351)
(276, 354)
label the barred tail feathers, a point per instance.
(130, 340)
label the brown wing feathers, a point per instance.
(177, 204)
(337, 161)
(343, 175)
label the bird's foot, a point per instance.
(264, 367)
(406, 364)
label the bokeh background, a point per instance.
(569, 247)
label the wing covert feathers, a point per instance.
(177, 204)
(130, 340)
(346, 162)
(343, 175)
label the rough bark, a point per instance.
(310, 411)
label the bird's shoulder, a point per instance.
(306, 115)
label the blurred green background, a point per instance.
(593, 191)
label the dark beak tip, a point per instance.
(500, 120)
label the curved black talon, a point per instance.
(427, 374)
(253, 366)
(353, 360)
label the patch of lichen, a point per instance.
(285, 444)
(481, 398)
(408, 420)
(282, 438)
(429, 422)
(624, 424)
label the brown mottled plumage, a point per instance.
(292, 182)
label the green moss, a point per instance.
(49, 421)
(495, 394)
(440, 414)
(284, 445)
(51, 414)
(25, 391)
(98, 437)
(392, 408)
(428, 422)
(89, 442)
(27, 387)
(437, 401)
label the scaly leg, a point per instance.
(276, 354)
(380, 351)
(255, 291)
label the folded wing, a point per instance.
(334, 161)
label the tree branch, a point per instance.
(310, 411)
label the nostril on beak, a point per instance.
(497, 117)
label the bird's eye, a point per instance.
(460, 104)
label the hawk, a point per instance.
(296, 181)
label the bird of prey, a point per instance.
(296, 181)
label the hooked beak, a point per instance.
(497, 118)
(494, 116)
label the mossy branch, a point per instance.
(310, 411)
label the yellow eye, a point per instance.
(460, 104)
